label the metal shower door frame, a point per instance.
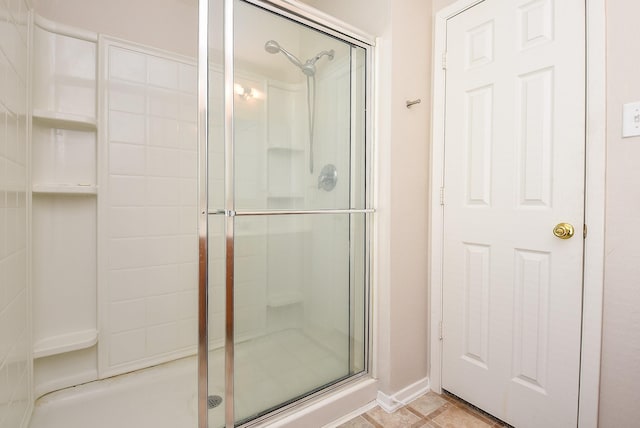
(293, 12)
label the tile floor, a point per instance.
(430, 410)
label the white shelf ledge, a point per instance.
(65, 189)
(65, 343)
(64, 120)
(283, 149)
(284, 299)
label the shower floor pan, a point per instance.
(164, 396)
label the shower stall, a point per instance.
(201, 217)
(284, 201)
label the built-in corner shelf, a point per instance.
(64, 120)
(284, 299)
(65, 189)
(65, 343)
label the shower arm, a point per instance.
(291, 57)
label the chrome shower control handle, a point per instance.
(328, 178)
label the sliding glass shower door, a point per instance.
(287, 216)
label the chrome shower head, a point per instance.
(272, 47)
(308, 68)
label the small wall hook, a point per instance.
(410, 103)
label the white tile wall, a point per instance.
(150, 216)
(15, 340)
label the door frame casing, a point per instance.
(594, 197)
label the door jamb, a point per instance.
(595, 163)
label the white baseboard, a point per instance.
(391, 403)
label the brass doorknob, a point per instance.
(563, 230)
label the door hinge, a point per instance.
(444, 60)
(442, 196)
(584, 231)
(440, 330)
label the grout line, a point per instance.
(421, 423)
(440, 410)
(415, 412)
(371, 420)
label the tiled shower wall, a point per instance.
(149, 213)
(15, 339)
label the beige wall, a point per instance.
(123, 18)
(410, 136)
(620, 377)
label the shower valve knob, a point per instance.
(328, 178)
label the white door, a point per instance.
(514, 169)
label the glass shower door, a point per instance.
(288, 214)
